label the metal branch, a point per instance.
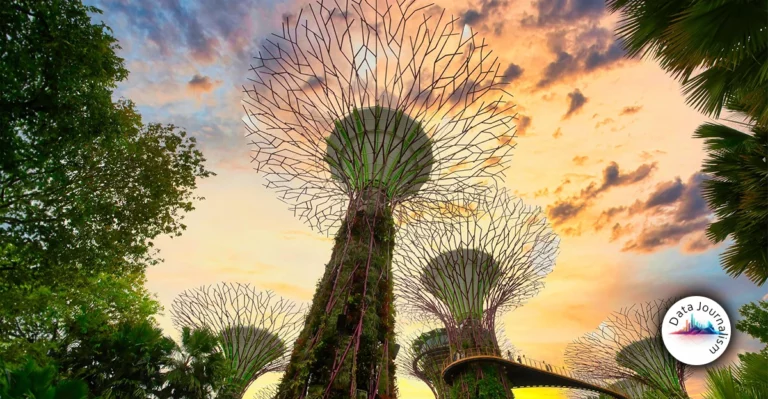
(466, 273)
(337, 58)
(627, 351)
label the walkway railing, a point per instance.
(540, 365)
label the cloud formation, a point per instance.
(523, 125)
(566, 209)
(590, 50)
(630, 110)
(576, 101)
(512, 72)
(674, 212)
(479, 18)
(559, 11)
(202, 84)
(579, 160)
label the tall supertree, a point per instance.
(467, 273)
(627, 351)
(255, 328)
(365, 115)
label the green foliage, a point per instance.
(719, 52)
(31, 381)
(746, 380)
(755, 321)
(85, 186)
(717, 49)
(38, 318)
(124, 361)
(738, 194)
(196, 368)
(481, 381)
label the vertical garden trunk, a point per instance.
(346, 349)
(481, 380)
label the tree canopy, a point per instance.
(718, 50)
(85, 185)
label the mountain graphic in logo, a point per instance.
(693, 327)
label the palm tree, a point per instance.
(724, 42)
(718, 50)
(31, 381)
(745, 380)
(738, 194)
(197, 369)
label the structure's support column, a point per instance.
(346, 349)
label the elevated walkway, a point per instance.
(527, 373)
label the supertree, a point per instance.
(255, 328)
(627, 351)
(426, 352)
(467, 273)
(365, 115)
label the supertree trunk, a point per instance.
(347, 346)
(481, 380)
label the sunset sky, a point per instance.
(603, 146)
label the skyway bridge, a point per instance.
(527, 373)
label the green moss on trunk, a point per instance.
(481, 380)
(355, 288)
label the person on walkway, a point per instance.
(519, 360)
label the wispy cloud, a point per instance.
(566, 209)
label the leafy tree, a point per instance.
(34, 382)
(125, 361)
(85, 186)
(718, 50)
(197, 368)
(755, 321)
(38, 320)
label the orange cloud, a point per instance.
(579, 160)
(631, 110)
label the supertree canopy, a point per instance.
(385, 96)
(461, 279)
(365, 116)
(381, 150)
(423, 357)
(467, 273)
(254, 327)
(627, 351)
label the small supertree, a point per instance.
(255, 328)
(425, 354)
(627, 352)
(365, 115)
(467, 273)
